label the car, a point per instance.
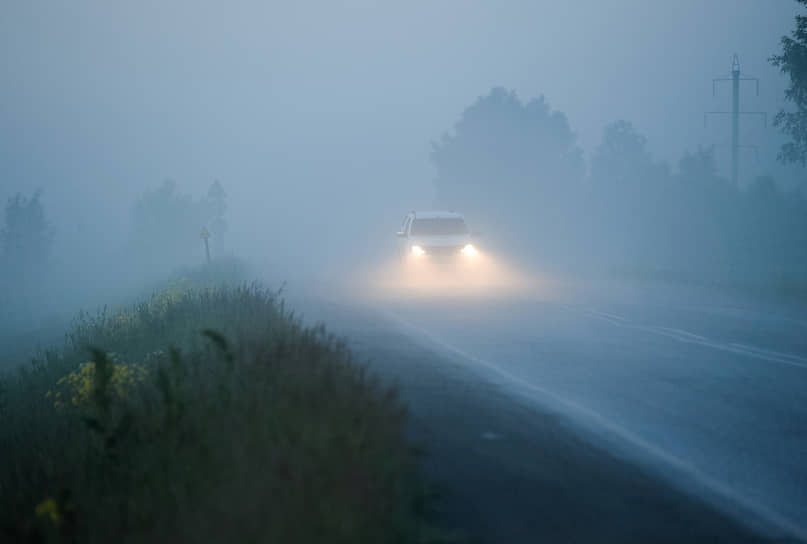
(435, 236)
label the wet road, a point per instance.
(708, 390)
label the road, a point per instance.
(706, 391)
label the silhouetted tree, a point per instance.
(622, 162)
(627, 196)
(774, 232)
(509, 165)
(167, 226)
(715, 232)
(26, 241)
(216, 203)
(793, 62)
(702, 216)
(699, 166)
(700, 183)
(26, 238)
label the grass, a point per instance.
(18, 339)
(204, 415)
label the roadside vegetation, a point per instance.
(624, 213)
(204, 414)
(516, 169)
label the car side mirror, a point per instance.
(400, 234)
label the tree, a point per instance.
(167, 226)
(627, 197)
(704, 216)
(622, 162)
(26, 238)
(26, 241)
(793, 62)
(699, 166)
(216, 204)
(508, 164)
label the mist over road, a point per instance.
(705, 389)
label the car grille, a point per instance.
(442, 251)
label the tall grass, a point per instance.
(204, 415)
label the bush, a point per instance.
(259, 429)
(222, 270)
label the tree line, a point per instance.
(516, 170)
(165, 235)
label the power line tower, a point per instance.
(736, 77)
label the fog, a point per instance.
(606, 268)
(320, 121)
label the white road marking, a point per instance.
(607, 315)
(771, 353)
(595, 420)
(687, 337)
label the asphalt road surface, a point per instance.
(620, 413)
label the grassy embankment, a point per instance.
(204, 415)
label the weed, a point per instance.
(205, 415)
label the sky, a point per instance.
(324, 109)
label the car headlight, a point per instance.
(469, 250)
(417, 250)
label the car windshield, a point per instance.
(437, 226)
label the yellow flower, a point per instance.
(49, 509)
(81, 383)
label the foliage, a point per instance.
(793, 62)
(26, 237)
(81, 385)
(167, 224)
(622, 162)
(506, 160)
(517, 166)
(693, 225)
(26, 240)
(217, 206)
(626, 189)
(221, 270)
(259, 429)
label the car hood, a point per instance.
(441, 241)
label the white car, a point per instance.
(433, 236)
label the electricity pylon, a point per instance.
(736, 77)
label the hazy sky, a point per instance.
(321, 108)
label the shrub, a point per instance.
(210, 415)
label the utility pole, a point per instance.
(205, 235)
(736, 77)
